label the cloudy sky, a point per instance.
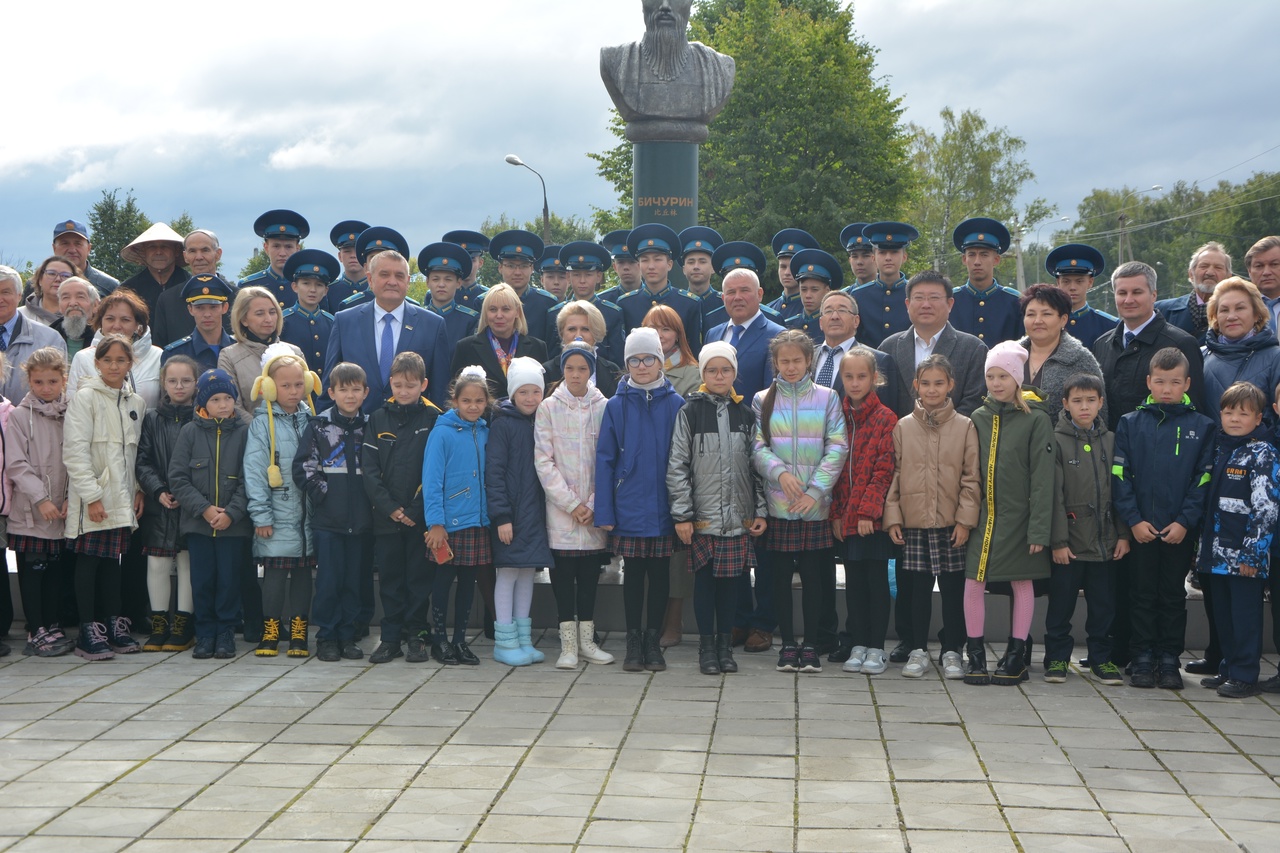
(400, 114)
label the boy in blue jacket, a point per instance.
(1243, 505)
(1163, 456)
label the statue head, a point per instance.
(667, 18)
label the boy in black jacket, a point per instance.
(394, 441)
(327, 468)
(1164, 453)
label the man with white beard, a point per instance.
(1209, 265)
(77, 302)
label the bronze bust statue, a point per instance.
(666, 88)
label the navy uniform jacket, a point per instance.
(471, 296)
(281, 288)
(636, 304)
(884, 310)
(1087, 325)
(459, 321)
(613, 294)
(340, 291)
(787, 306)
(193, 346)
(610, 349)
(711, 300)
(309, 333)
(537, 302)
(808, 325)
(991, 316)
(755, 369)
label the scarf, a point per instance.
(504, 357)
(733, 395)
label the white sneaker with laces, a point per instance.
(875, 663)
(856, 657)
(916, 664)
(952, 666)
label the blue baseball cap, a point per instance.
(70, 226)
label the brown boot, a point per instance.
(673, 624)
(759, 641)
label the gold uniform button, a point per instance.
(982, 305)
(887, 309)
(1073, 322)
(886, 325)
(982, 319)
(316, 337)
(981, 336)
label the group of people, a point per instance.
(264, 439)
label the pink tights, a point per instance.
(975, 611)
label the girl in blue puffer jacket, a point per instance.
(456, 510)
(631, 492)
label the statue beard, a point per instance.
(74, 323)
(666, 51)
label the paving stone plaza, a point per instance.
(162, 752)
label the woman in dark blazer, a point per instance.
(501, 335)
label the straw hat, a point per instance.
(158, 233)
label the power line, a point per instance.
(1238, 165)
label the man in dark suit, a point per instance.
(748, 331)
(840, 320)
(929, 302)
(372, 334)
(1209, 265)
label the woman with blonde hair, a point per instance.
(1241, 344)
(256, 323)
(582, 321)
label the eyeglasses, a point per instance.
(919, 298)
(838, 312)
(60, 276)
(642, 361)
(727, 370)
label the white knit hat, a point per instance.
(524, 371)
(717, 349)
(644, 341)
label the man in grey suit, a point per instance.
(929, 303)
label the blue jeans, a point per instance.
(337, 588)
(215, 582)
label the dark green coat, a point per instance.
(1083, 519)
(1016, 457)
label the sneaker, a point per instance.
(203, 649)
(952, 666)
(875, 662)
(1233, 689)
(224, 648)
(810, 660)
(385, 652)
(1107, 673)
(916, 665)
(1055, 671)
(350, 651)
(900, 653)
(1271, 685)
(853, 663)
(42, 644)
(1213, 682)
(789, 659)
(419, 649)
(92, 644)
(465, 655)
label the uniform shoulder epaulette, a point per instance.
(629, 293)
(325, 313)
(355, 297)
(609, 304)
(465, 311)
(252, 278)
(1011, 291)
(178, 343)
(539, 290)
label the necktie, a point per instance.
(824, 375)
(1128, 338)
(388, 350)
(4, 339)
(733, 341)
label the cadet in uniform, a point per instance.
(208, 298)
(370, 242)
(625, 266)
(306, 324)
(654, 247)
(983, 307)
(1074, 266)
(587, 263)
(281, 232)
(698, 246)
(552, 276)
(737, 254)
(883, 303)
(343, 237)
(817, 273)
(446, 265)
(517, 252)
(862, 259)
(786, 243)
(469, 293)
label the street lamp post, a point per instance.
(515, 160)
(1123, 220)
(1019, 232)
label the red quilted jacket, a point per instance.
(868, 470)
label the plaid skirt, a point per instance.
(792, 535)
(109, 544)
(35, 547)
(929, 550)
(729, 556)
(642, 547)
(288, 564)
(471, 547)
(148, 551)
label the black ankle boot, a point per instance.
(708, 658)
(724, 653)
(1168, 676)
(653, 659)
(634, 660)
(1013, 665)
(1143, 674)
(976, 672)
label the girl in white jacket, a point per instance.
(103, 425)
(565, 431)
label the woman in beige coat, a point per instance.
(101, 432)
(256, 323)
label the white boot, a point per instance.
(587, 644)
(568, 646)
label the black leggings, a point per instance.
(866, 598)
(634, 600)
(810, 565)
(273, 581)
(41, 580)
(97, 588)
(951, 588)
(462, 600)
(574, 581)
(714, 601)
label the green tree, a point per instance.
(114, 223)
(184, 224)
(257, 262)
(969, 169)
